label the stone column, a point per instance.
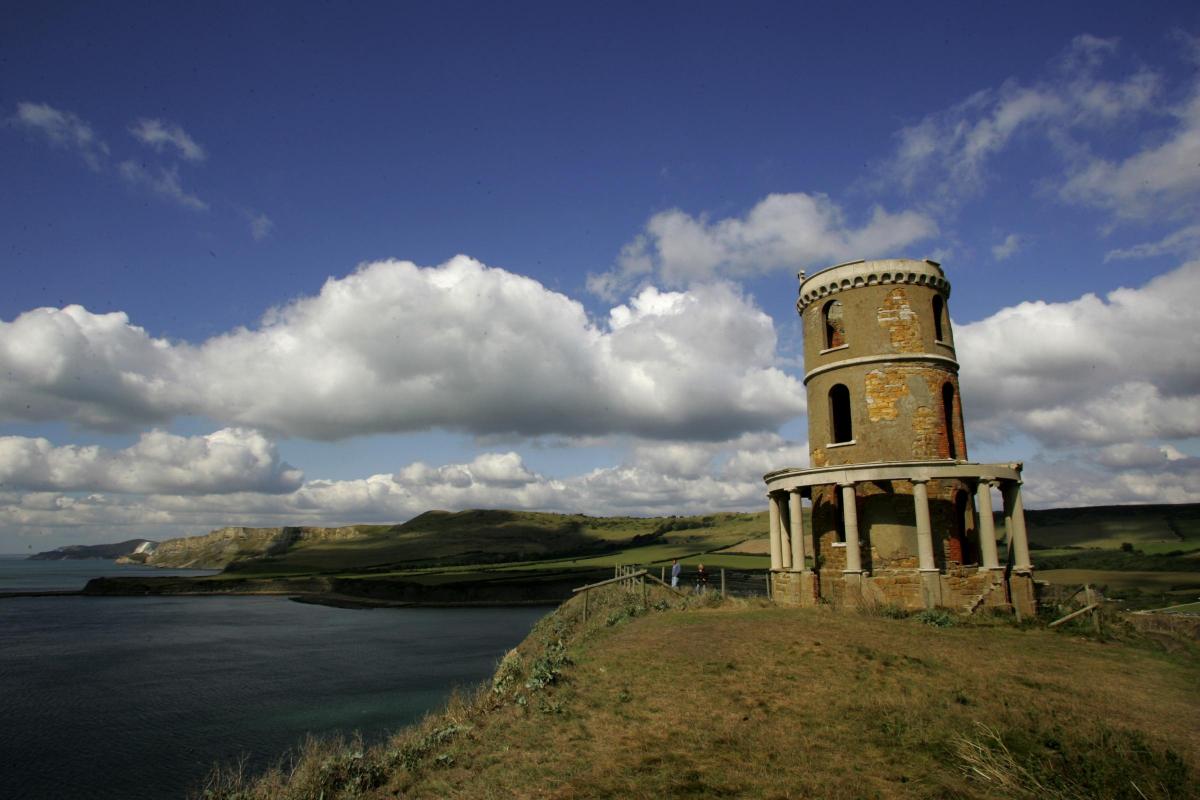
(1014, 521)
(797, 514)
(850, 520)
(785, 531)
(931, 578)
(776, 549)
(987, 525)
(924, 527)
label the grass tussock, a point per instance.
(686, 696)
(1051, 765)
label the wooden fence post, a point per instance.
(585, 605)
(768, 584)
(1091, 601)
(722, 583)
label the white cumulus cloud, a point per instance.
(229, 460)
(397, 347)
(1089, 371)
(782, 231)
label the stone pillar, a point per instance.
(1014, 521)
(924, 527)
(785, 531)
(797, 515)
(931, 578)
(776, 549)
(986, 525)
(850, 520)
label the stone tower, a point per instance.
(898, 513)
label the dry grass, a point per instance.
(745, 700)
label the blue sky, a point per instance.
(294, 263)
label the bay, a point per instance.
(138, 697)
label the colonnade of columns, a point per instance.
(787, 527)
(787, 530)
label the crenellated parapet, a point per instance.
(855, 274)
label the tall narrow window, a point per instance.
(948, 413)
(835, 328)
(939, 306)
(839, 414)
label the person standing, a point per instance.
(675, 570)
(701, 579)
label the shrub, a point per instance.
(937, 617)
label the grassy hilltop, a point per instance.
(694, 698)
(448, 539)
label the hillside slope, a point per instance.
(738, 700)
(441, 538)
(1152, 528)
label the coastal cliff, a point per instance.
(224, 546)
(118, 550)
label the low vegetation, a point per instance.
(695, 697)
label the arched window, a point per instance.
(835, 328)
(948, 413)
(839, 414)
(939, 306)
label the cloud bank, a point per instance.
(228, 460)
(676, 477)
(397, 347)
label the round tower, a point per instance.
(898, 513)
(880, 370)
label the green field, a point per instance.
(1149, 528)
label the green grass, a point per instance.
(1122, 560)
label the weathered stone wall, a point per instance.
(896, 404)
(967, 590)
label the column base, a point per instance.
(931, 587)
(792, 587)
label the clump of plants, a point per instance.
(935, 617)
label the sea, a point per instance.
(139, 697)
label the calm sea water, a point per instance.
(124, 697)
(19, 574)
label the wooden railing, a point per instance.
(633, 579)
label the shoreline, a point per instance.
(331, 599)
(539, 588)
